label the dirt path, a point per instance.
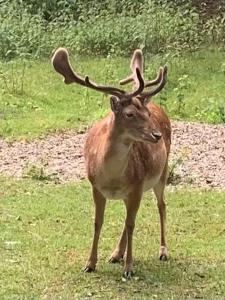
(198, 151)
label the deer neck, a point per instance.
(118, 149)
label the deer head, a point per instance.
(137, 114)
(131, 114)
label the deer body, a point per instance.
(126, 153)
(115, 164)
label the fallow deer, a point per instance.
(126, 153)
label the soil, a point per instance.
(197, 155)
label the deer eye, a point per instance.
(129, 115)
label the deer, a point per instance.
(126, 153)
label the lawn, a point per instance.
(46, 228)
(46, 232)
(34, 100)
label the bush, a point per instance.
(34, 28)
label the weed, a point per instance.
(13, 78)
(182, 88)
(222, 112)
(174, 176)
(38, 172)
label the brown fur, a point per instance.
(144, 159)
(124, 172)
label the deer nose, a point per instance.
(157, 135)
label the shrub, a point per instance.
(33, 28)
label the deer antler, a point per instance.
(62, 65)
(161, 79)
(137, 61)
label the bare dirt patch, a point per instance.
(202, 151)
(198, 153)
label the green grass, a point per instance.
(35, 101)
(46, 229)
(46, 232)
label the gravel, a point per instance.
(197, 155)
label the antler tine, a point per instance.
(140, 87)
(135, 93)
(163, 72)
(62, 65)
(136, 63)
(156, 80)
(127, 80)
(105, 89)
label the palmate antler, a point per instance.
(137, 61)
(62, 65)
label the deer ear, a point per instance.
(115, 104)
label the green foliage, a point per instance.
(38, 172)
(12, 78)
(174, 178)
(214, 29)
(221, 108)
(34, 28)
(182, 88)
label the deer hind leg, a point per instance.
(159, 193)
(99, 202)
(119, 251)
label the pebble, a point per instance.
(200, 149)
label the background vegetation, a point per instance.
(189, 36)
(34, 100)
(43, 225)
(186, 35)
(34, 28)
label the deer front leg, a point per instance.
(120, 249)
(132, 205)
(99, 202)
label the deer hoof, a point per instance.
(128, 274)
(88, 270)
(163, 253)
(163, 257)
(115, 260)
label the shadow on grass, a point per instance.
(152, 278)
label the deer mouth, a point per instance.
(156, 135)
(153, 137)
